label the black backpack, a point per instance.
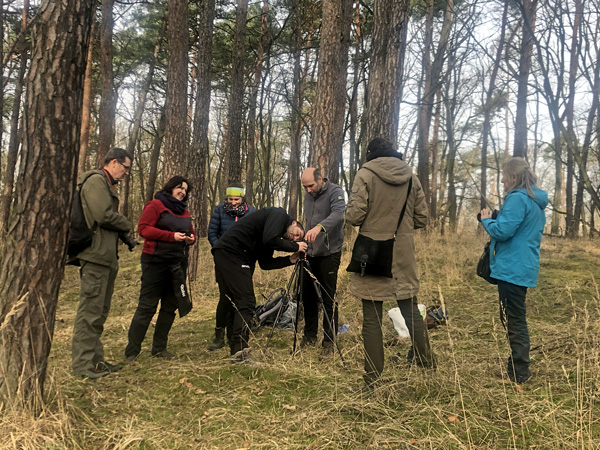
(80, 235)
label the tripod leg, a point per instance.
(298, 300)
(285, 300)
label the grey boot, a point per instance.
(219, 340)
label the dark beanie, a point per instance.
(381, 147)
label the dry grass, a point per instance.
(199, 400)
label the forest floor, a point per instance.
(199, 400)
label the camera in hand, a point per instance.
(128, 240)
(494, 215)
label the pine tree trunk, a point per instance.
(32, 261)
(252, 104)
(233, 163)
(13, 143)
(176, 136)
(199, 147)
(155, 154)
(390, 20)
(328, 118)
(86, 108)
(106, 112)
(573, 217)
(296, 112)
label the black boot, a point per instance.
(219, 340)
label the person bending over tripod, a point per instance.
(253, 239)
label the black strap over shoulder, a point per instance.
(405, 203)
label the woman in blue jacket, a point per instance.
(516, 234)
(225, 214)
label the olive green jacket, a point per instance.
(101, 205)
(378, 195)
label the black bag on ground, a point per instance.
(277, 307)
(372, 257)
(80, 235)
(483, 266)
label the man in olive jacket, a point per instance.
(98, 262)
(378, 195)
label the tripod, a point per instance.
(295, 284)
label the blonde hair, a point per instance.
(525, 178)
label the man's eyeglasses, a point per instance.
(127, 168)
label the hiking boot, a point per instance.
(519, 379)
(218, 341)
(105, 365)
(131, 359)
(308, 341)
(244, 357)
(411, 359)
(327, 351)
(92, 374)
(165, 354)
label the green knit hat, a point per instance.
(235, 191)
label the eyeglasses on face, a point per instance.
(127, 168)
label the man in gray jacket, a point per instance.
(98, 262)
(324, 207)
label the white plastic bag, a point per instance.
(398, 320)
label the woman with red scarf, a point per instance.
(167, 230)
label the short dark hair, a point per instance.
(299, 225)
(175, 181)
(120, 154)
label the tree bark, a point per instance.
(32, 262)
(328, 118)
(199, 147)
(1, 84)
(86, 107)
(252, 139)
(155, 154)
(572, 226)
(233, 163)
(529, 13)
(13, 143)
(106, 112)
(176, 136)
(390, 20)
(296, 112)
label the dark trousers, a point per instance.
(156, 287)
(513, 317)
(420, 352)
(225, 314)
(224, 309)
(234, 275)
(325, 270)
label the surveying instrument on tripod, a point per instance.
(294, 290)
